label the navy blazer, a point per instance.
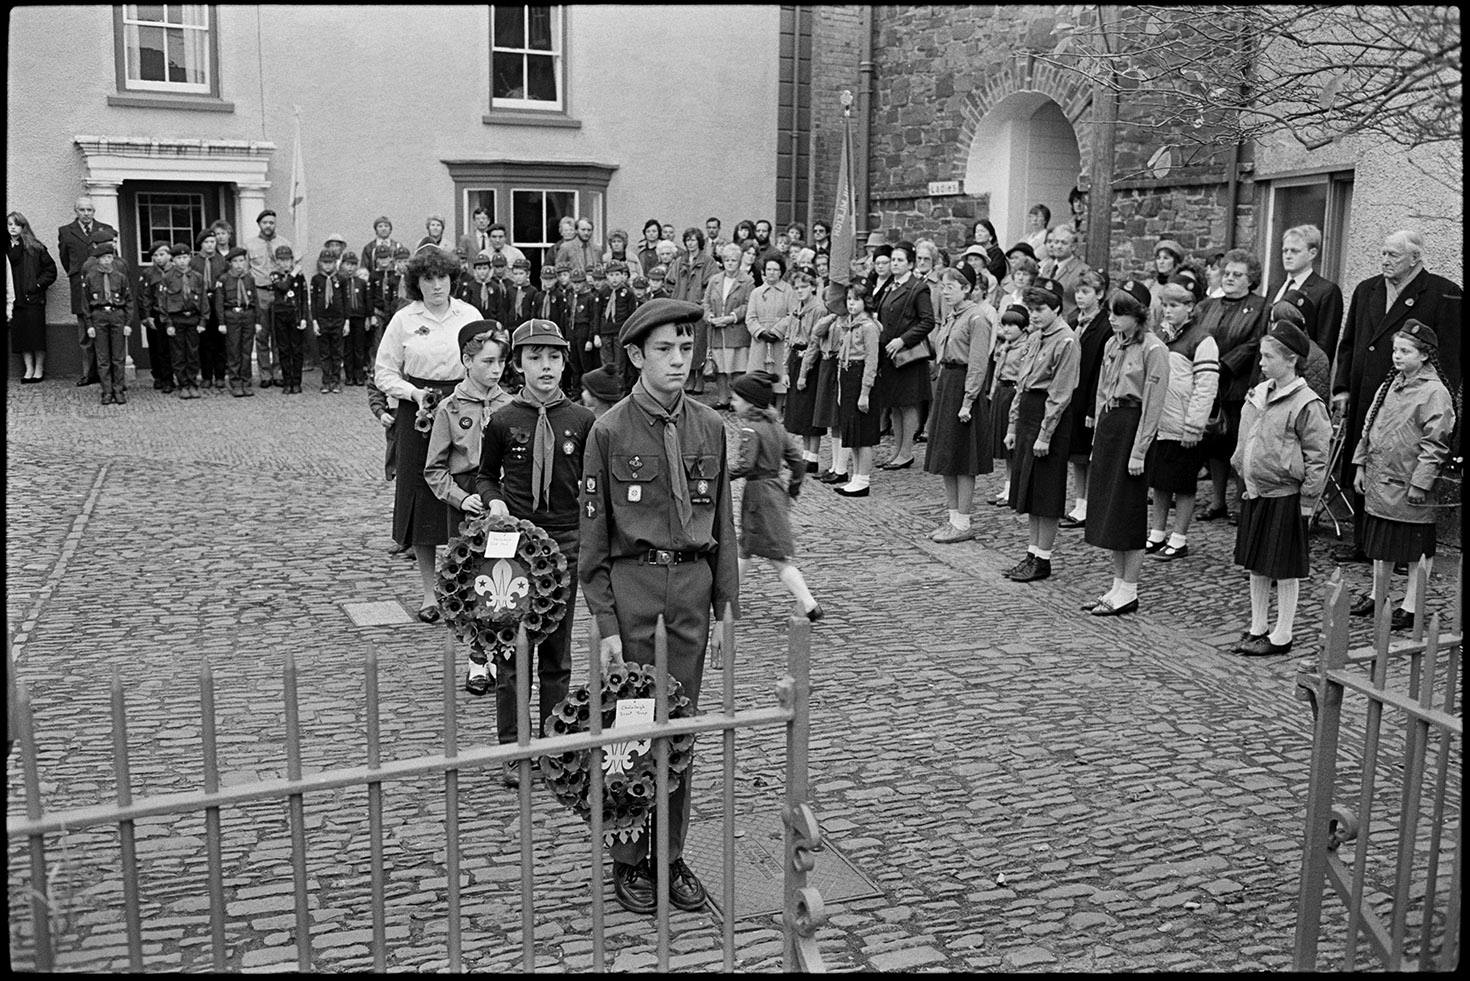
(73, 248)
(1325, 324)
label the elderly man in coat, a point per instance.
(1380, 305)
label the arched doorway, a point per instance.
(1024, 152)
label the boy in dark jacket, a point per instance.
(108, 299)
(328, 319)
(237, 308)
(288, 316)
(180, 311)
(357, 307)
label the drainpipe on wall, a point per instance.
(864, 115)
(1232, 193)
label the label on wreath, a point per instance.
(501, 544)
(630, 712)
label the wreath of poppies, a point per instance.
(485, 599)
(629, 768)
(423, 419)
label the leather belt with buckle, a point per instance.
(661, 556)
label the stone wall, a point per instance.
(837, 46)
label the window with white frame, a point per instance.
(527, 69)
(476, 198)
(535, 215)
(167, 48)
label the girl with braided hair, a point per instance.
(1405, 442)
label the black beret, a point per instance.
(1291, 336)
(182, 248)
(604, 384)
(1421, 332)
(237, 250)
(656, 313)
(1137, 290)
(283, 252)
(159, 243)
(103, 248)
(475, 328)
(1049, 285)
(267, 211)
(1300, 306)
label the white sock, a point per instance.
(1110, 597)
(1042, 553)
(1287, 591)
(960, 521)
(792, 577)
(858, 482)
(809, 456)
(1127, 592)
(744, 569)
(1005, 491)
(1155, 536)
(1176, 540)
(1411, 597)
(839, 456)
(1030, 549)
(1260, 601)
(954, 518)
(1079, 509)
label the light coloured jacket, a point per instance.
(1283, 444)
(1406, 445)
(1194, 378)
(454, 442)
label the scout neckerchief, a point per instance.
(673, 452)
(543, 451)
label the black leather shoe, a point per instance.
(812, 466)
(1362, 606)
(633, 886)
(265, 383)
(1103, 609)
(1214, 514)
(510, 774)
(890, 465)
(477, 684)
(1401, 568)
(1067, 521)
(121, 397)
(1262, 647)
(815, 613)
(686, 892)
(1246, 637)
(1152, 547)
(1040, 569)
(1022, 567)
(1348, 553)
(861, 492)
(1401, 619)
(83, 382)
(429, 614)
(835, 478)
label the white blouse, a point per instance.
(416, 344)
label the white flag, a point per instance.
(298, 198)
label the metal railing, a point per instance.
(1409, 875)
(804, 912)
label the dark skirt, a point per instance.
(1271, 539)
(800, 402)
(1000, 419)
(1172, 467)
(1117, 501)
(1039, 485)
(1221, 446)
(855, 428)
(957, 449)
(1081, 437)
(419, 518)
(765, 528)
(27, 329)
(899, 388)
(1396, 541)
(824, 402)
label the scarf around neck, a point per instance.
(673, 451)
(543, 450)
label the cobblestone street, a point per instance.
(1031, 788)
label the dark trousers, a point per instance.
(239, 342)
(290, 348)
(212, 351)
(553, 657)
(158, 353)
(354, 350)
(682, 594)
(329, 350)
(86, 344)
(183, 349)
(579, 360)
(265, 342)
(110, 348)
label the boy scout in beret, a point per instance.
(658, 539)
(237, 307)
(145, 294)
(357, 307)
(288, 319)
(109, 301)
(180, 309)
(585, 339)
(531, 469)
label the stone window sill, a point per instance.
(505, 117)
(191, 103)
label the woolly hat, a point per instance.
(757, 388)
(604, 384)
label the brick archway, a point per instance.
(1024, 74)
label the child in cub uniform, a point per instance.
(1405, 443)
(357, 304)
(288, 316)
(959, 423)
(328, 319)
(1175, 458)
(586, 313)
(108, 303)
(618, 306)
(1281, 456)
(180, 309)
(148, 296)
(821, 352)
(531, 469)
(209, 262)
(765, 528)
(1125, 413)
(1010, 353)
(453, 462)
(857, 369)
(602, 389)
(237, 308)
(1040, 427)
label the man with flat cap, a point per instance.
(658, 539)
(531, 469)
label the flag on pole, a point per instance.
(298, 196)
(844, 213)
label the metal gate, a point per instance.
(1401, 882)
(803, 913)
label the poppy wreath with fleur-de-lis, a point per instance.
(629, 769)
(484, 600)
